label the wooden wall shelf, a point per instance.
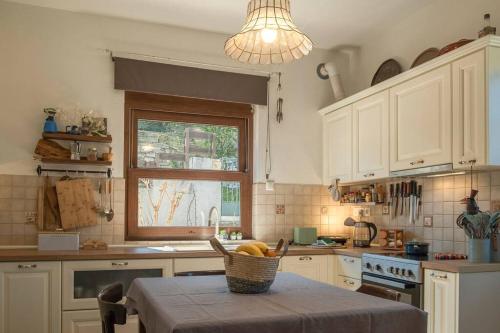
(71, 137)
(82, 162)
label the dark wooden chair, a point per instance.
(112, 312)
(381, 292)
(201, 273)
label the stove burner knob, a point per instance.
(397, 271)
(369, 266)
(409, 273)
(390, 270)
(404, 272)
(378, 268)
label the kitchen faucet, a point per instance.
(213, 211)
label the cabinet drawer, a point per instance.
(349, 266)
(198, 264)
(311, 267)
(348, 283)
(89, 321)
(82, 280)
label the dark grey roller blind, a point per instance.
(153, 77)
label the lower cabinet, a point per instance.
(30, 297)
(440, 295)
(312, 267)
(347, 272)
(198, 264)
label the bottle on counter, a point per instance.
(488, 29)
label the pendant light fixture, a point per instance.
(269, 35)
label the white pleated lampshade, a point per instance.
(269, 35)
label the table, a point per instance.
(293, 305)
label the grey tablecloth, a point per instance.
(293, 305)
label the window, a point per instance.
(188, 167)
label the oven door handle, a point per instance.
(387, 282)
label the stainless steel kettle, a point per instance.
(364, 232)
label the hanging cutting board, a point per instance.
(76, 203)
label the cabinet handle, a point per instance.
(351, 261)
(26, 266)
(119, 264)
(417, 162)
(305, 258)
(462, 162)
(348, 282)
(439, 276)
(369, 175)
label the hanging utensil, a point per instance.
(111, 213)
(279, 103)
(396, 195)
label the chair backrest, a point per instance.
(381, 292)
(112, 313)
(201, 273)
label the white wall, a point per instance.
(53, 58)
(436, 24)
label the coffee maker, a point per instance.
(364, 232)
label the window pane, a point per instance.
(187, 203)
(176, 145)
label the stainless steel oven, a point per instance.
(396, 271)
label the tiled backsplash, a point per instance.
(18, 197)
(274, 213)
(311, 206)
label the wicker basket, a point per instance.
(249, 274)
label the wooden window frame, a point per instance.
(183, 109)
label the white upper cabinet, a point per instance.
(337, 146)
(420, 121)
(469, 110)
(371, 137)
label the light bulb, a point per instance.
(269, 35)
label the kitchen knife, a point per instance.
(419, 196)
(391, 194)
(396, 196)
(403, 195)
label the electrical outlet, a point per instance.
(360, 211)
(386, 210)
(30, 217)
(427, 221)
(495, 205)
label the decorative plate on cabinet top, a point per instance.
(425, 56)
(455, 45)
(388, 69)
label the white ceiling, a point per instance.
(329, 23)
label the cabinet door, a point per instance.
(337, 146)
(311, 267)
(420, 121)
(82, 280)
(371, 137)
(469, 111)
(440, 301)
(30, 297)
(89, 321)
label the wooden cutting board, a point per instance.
(76, 203)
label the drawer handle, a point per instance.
(349, 282)
(26, 266)
(305, 258)
(119, 264)
(439, 276)
(351, 261)
(369, 175)
(417, 162)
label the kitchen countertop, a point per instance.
(461, 266)
(117, 253)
